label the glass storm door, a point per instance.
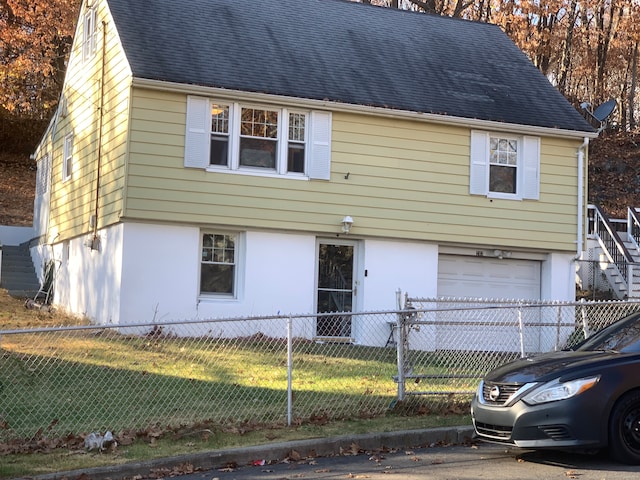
(335, 288)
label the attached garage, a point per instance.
(488, 277)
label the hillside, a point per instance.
(614, 172)
(17, 189)
(614, 179)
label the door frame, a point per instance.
(358, 271)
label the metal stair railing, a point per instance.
(633, 227)
(614, 248)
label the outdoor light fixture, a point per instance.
(346, 224)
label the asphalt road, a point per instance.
(482, 461)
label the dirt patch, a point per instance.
(14, 315)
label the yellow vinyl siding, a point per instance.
(397, 178)
(73, 201)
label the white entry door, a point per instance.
(335, 287)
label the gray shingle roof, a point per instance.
(344, 52)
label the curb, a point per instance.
(273, 452)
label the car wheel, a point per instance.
(624, 429)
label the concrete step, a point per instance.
(18, 274)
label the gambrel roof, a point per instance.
(344, 52)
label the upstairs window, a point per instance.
(67, 157)
(89, 34)
(43, 175)
(504, 166)
(219, 153)
(297, 141)
(259, 140)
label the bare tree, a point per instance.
(567, 46)
(608, 15)
(633, 88)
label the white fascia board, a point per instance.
(243, 96)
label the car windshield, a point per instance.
(621, 336)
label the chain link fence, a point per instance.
(249, 372)
(449, 344)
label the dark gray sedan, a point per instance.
(587, 397)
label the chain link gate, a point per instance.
(446, 345)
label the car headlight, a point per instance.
(479, 389)
(557, 390)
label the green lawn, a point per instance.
(164, 395)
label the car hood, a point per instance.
(545, 367)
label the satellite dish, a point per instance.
(601, 113)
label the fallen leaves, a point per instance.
(177, 471)
(17, 189)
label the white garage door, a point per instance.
(487, 278)
(482, 277)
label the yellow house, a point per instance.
(216, 158)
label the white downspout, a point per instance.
(581, 156)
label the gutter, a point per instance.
(237, 95)
(96, 213)
(582, 149)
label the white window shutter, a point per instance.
(531, 164)
(479, 164)
(198, 135)
(320, 143)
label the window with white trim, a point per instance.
(297, 142)
(228, 136)
(219, 154)
(218, 264)
(504, 166)
(89, 34)
(67, 157)
(43, 174)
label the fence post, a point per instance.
(558, 327)
(289, 371)
(521, 327)
(400, 336)
(583, 314)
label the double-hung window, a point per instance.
(218, 264)
(505, 166)
(219, 153)
(254, 139)
(297, 142)
(89, 34)
(43, 175)
(259, 138)
(67, 157)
